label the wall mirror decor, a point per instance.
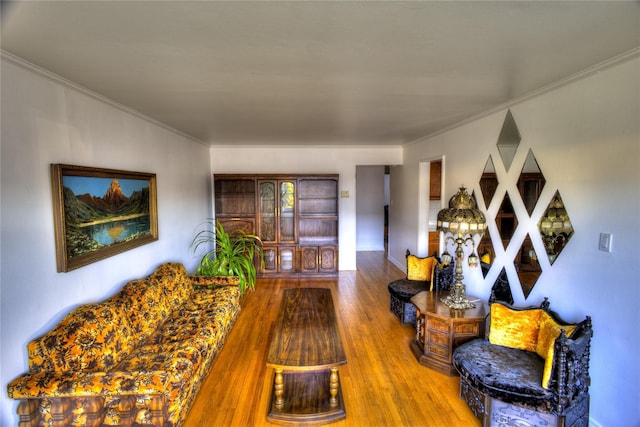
(555, 227)
(488, 182)
(488, 186)
(530, 182)
(527, 266)
(509, 140)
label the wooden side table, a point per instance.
(440, 329)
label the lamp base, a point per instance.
(457, 299)
(456, 304)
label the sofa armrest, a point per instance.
(73, 384)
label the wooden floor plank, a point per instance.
(382, 382)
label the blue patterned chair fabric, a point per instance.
(402, 290)
(137, 358)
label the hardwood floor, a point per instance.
(382, 382)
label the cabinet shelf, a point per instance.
(316, 241)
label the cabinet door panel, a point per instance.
(287, 259)
(287, 209)
(328, 259)
(268, 211)
(309, 259)
(270, 264)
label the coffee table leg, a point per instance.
(333, 387)
(279, 389)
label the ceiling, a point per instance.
(317, 72)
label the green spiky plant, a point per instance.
(233, 253)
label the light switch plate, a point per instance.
(605, 242)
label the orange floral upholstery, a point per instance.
(138, 357)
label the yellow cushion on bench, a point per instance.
(420, 268)
(549, 331)
(514, 328)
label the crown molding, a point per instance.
(619, 59)
(70, 84)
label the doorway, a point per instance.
(429, 204)
(371, 213)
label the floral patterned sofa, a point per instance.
(137, 358)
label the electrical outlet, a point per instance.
(605, 242)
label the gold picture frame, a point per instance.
(100, 212)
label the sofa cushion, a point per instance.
(514, 328)
(145, 304)
(93, 337)
(174, 280)
(545, 347)
(507, 374)
(420, 269)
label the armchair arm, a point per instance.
(571, 364)
(73, 384)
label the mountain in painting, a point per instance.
(112, 201)
(86, 207)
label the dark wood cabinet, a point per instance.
(296, 216)
(435, 180)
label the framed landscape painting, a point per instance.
(101, 212)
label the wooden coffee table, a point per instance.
(305, 352)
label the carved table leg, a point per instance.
(279, 389)
(333, 387)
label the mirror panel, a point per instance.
(506, 220)
(530, 182)
(527, 266)
(555, 227)
(509, 140)
(501, 290)
(488, 182)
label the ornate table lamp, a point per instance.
(464, 221)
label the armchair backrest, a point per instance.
(430, 270)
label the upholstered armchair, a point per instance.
(423, 274)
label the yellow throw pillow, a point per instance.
(549, 331)
(486, 258)
(514, 328)
(420, 268)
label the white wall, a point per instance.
(45, 121)
(322, 159)
(586, 138)
(370, 208)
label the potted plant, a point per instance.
(232, 255)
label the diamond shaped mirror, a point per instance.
(555, 227)
(530, 182)
(488, 185)
(506, 221)
(488, 182)
(527, 266)
(509, 140)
